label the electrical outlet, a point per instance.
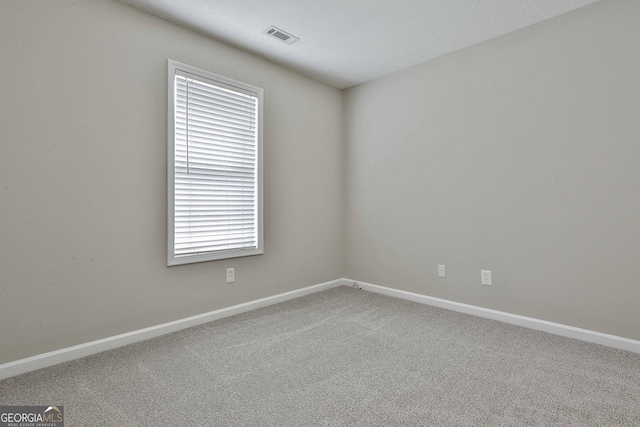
(441, 270)
(356, 285)
(231, 275)
(485, 277)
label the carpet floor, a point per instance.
(344, 357)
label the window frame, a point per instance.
(175, 67)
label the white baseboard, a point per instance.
(613, 341)
(39, 361)
(33, 363)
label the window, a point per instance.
(214, 167)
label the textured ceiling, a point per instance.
(347, 42)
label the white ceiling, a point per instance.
(347, 42)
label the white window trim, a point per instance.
(172, 259)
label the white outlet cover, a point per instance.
(442, 272)
(485, 277)
(231, 275)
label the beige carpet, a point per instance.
(344, 357)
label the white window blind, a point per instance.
(216, 209)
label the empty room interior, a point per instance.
(446, 213)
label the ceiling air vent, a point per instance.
(283, 36)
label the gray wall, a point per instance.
(83, 177)
(520, 155)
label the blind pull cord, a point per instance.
(188, 159)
